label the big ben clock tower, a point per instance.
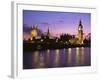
(80, 33)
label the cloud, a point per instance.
(61, 21)
(45, 23)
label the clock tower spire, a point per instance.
(80, 33)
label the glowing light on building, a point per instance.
(33, 33)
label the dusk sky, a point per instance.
(57, 22)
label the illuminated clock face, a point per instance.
(79, 28)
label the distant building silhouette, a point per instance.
(48, 33)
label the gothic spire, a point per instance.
(80, 23)
(48, 32)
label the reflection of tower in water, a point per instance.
(35, 58)
(80, 56)
(47, 57)
(56, 59)
(41, 61)
(38, 60)
(69, 56)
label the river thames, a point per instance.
(59, 58)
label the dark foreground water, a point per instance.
(57, 58)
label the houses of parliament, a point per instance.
(78, 39)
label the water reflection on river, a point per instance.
(57, 58)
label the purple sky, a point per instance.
(58, 22)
